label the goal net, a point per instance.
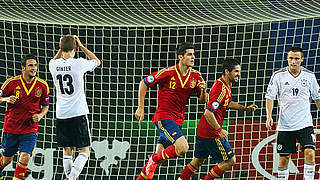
(131, 46)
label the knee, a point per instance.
(24, 157)
(309, 155)
(68, 151)
(85, 150)
(283, 161)
(182, 149)
(232, 161)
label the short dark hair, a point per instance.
(68, 43)
(296, 49)
(230, 64)
(25, 58)
(181, 50)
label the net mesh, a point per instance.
(129, 53)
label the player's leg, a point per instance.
(27, 143)
(221, 152)
(67, 160)
(10, 146)
(201, 153)
(286, 145)
(307, 140)
(82, 138)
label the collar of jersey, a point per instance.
(28, 91)
(179, 76)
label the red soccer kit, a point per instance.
(174, 92)
(18, 117)
(220, 96)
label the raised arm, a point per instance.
(89, 54)
(141, 96)
(234, 105)
(269, 107)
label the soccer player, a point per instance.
(211, 138)
(71, 106)
(25, 95)
(293, 86)
(176, 84)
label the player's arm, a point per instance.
(10, 99)
(269, 107)
(42, 113)
(141, 96)
(234, 105)
(214, 123)
(318, 103)
(204, 96)
(58, 55)
(89, 54)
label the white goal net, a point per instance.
(135, 38)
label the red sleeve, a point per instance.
(216, 96)
(45, 100)
(156, 77)
(6, 89)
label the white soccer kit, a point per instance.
(68, 78)
(293, 95)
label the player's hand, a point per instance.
(269, 123)
(80, 45)
(140, 115)
(11, 99)
(202, 85)
(223, 133)
(36, 117)
(251, 108)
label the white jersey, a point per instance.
(68, 78)
(293, 95)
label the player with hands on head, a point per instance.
(293, 86)
(211, 137)
(176, 85)
(25, 95)
(71, 106)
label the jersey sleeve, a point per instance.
(156, 77)
(45, 99)
(88, 65)
(315, 90)
(273, 87)
(216, 97)
(5, 90)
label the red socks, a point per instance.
(211, 174)
(20, 171)
(187, 172)
(168, 153)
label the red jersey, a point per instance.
(219, 98)
(174, 92)
(18, 117)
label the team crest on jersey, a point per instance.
(150, 79)
(38, 92)
(193, 83)
(215, 105)
(304, 82)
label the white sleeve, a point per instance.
(315, 90)
(273, 87)
(87, 65)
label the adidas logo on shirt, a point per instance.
(287, 83)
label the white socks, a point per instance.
(309, 169)
(283, 173)
(67, 165)
(78, 165)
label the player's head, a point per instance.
(295, 57)
(231, 69)
(29, 65)
(185, 54)
(68, 43)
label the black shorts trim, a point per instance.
(73, 132)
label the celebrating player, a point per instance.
(210, 138)
(176, 84)
(72, 109)
(25, 95)
(293, 86)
